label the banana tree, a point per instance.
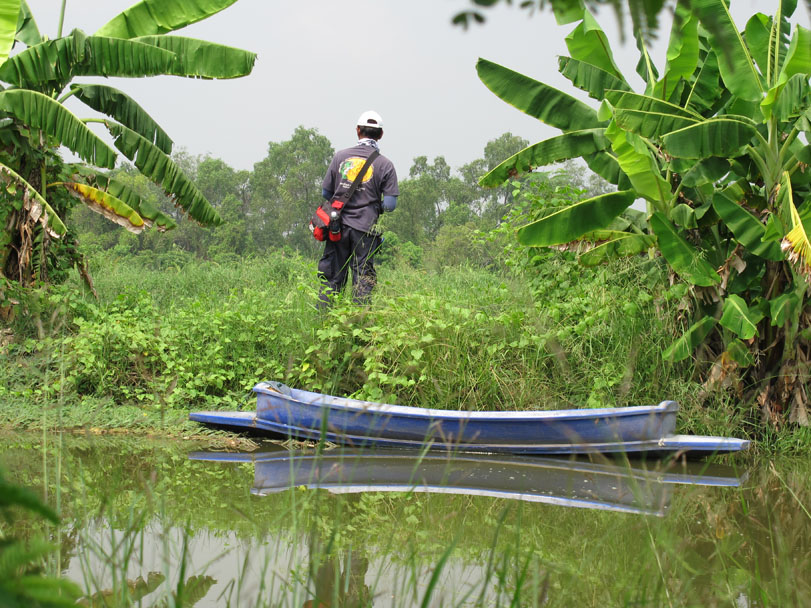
(717, 147)
(34, 122)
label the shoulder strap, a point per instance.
(359, 177)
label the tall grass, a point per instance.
(202, 334)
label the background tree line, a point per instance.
(442, 213)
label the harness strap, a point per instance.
(358, 178)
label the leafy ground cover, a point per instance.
(196, 335)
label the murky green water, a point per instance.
(280, 528)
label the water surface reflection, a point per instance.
(618, 485)
(143, 519)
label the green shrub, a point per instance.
(548, 334)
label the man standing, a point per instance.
(376, 193)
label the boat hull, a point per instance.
(305, 415)
(308, 415)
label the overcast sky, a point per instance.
(322, 62)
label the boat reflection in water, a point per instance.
(628, 486)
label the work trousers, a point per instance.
(354, 251)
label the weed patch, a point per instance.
(200, 336)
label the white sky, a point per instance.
(322, 62)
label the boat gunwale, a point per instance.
(618, 447)
(371, 407)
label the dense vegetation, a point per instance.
(267, 209)
(40, 188)
(463, 317)
(519, 318)
(717, 146)
(531, 331)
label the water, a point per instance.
(279, 528)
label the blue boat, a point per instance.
(299, 414)
(630, 487)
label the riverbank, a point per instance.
(160, 342)
(104, 418)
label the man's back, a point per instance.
(379, 180)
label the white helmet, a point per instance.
(370, 118)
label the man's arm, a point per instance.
(389, 202)
(390, 189)
(326, 193)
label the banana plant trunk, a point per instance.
(24, 256)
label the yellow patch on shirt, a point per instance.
(351, 166)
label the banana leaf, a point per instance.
(547, 104)
(792, 99)
(784, 202)
(605, 165)
(684, 215)
(734, 61)
(589, 44)
(27, 31)
(737, 107)
(52, 118)
(690, 340)
(50, 65)
(120, 106)
(151, 215)
(626, 245)
(648, 116)
(638, 164)
(774, 230)
(798, 56)
(803, 123)
(563, 147)
(682, 51)
(783, 307)
(576, 220)
(144, 207)
(645, 67)
(607, 234)
(705, 171)
(9, 14)
(803, 154)
(202, 59)
(738, 318)
(682, 257)
(785, 10)
(748, 229)
(568, 11)
(787, 7)
(589, 78)
(758, 32)
(740, 353)
(150, 17)
(628, 100)
(38, 207)
(105, 204)
(163, 171)
(797, 63)
(706, 89)
(724, 137)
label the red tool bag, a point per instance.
(326, 221)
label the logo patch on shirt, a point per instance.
(351, 166)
